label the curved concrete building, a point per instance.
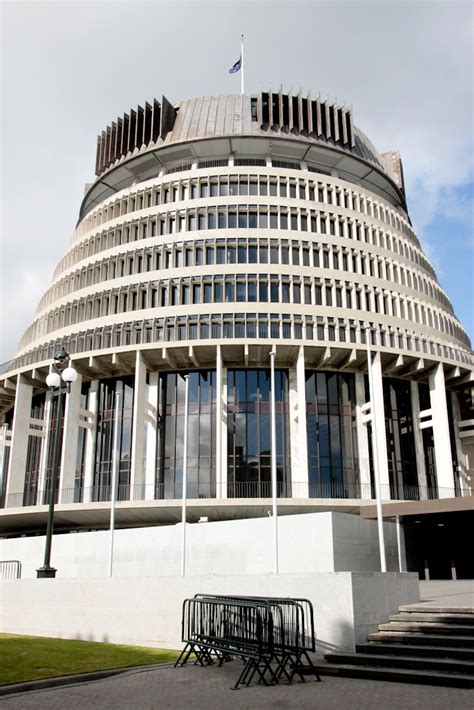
(216, 230)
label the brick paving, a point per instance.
(199, 688)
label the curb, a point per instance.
(64, 680)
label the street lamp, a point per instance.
(60, 382)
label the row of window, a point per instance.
(186, 189)
(241, 288)
(243, 217)
(237, 325)
(242, 251)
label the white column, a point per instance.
(379, 412)
(418, 437)
(402, 555)
(91, 436)
(218, 422)
(19, 445)
(151, 421)
(460, 455)
(442, 444)
(137, 475)
(223, 426)
(298, 432)
(69, 447)
(45, 446)
(362, 439)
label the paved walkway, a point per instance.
(448, 593)
(196, 688)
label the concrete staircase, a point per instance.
(420, 644)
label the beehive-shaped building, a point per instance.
(217, 230)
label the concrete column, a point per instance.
(402, 556)
(19, 445)
(218, 421)
(69, 448)
(298, 428)
(460, 455)
(91, 436)
(45, 446)
(362, 439)
(137, 473)
(151, 432)
(442, 444)
(221, 426)
(379, 413)
(418, 437)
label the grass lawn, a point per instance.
(32, 657)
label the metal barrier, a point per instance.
(272, 635)
(10, 569)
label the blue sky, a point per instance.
(448, 241)
(69, 68)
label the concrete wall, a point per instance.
(147, 611)
(316, 542)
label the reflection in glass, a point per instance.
(105, 437)
(248, 433)
(201, 435)
(332, 449)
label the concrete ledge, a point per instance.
(147, 611)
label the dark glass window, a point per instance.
(201, 462)
(33, 452)
(104, 453)
(332, 450)
(401, 456)
(248, 432)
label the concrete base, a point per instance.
(147, 611)
(311, 543)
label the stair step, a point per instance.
(395, 674)
(428, 628)
(408, 637)
(438, 618)
(407, 662)
(418, 650)
(422, 608)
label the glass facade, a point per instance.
(401, 456)
(33, 454)
(50, 462)
(332, 447)
(201, 458)
(105, 437)
(248, 433)
(78, 492)
(428, 444)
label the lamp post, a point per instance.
(59, 381)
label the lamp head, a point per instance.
(62, 357)
(69, 375)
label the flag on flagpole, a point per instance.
(236, 67)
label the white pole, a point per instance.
(185, 476)
(399, 544)
(4, 456)
(273, 459)
(242, 65)
(383, 564)
(115, 466)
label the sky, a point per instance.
(69, 68)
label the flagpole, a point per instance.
(242, 64)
